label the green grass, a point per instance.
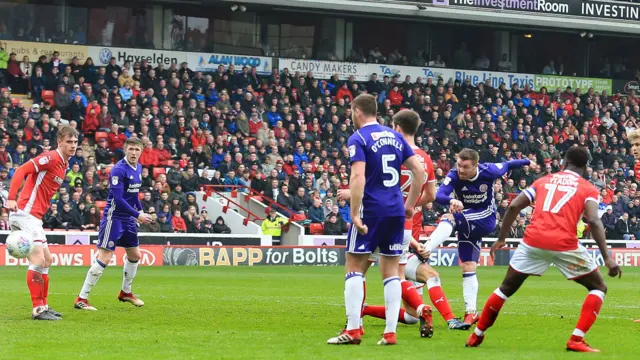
(289, 313)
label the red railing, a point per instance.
(219, 190)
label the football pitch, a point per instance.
(290, 312)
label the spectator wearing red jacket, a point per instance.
(149, 157)
(162, 154)
(395, 96)
(255, 123)
(344, 91)
(198, 138)
(91, 123)
(178, 223)
(17, 79)
(116, 140)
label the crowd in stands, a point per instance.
(284, 135)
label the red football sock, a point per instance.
(410, 295)
(36, 287)
(45, 291)
(491, 310)
(588, 314)
(440, 302)
(379, 312)
(375, 311)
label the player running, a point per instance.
(551, 238)
(473, 213)
(378, 213)
(412, 266)
(42, 176)
(118, 226)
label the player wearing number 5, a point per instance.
(473, 214)
(378, 211)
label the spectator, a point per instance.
(177, 222)
(272, 225)
(622, 229)
(332, 226)
(316, 213)
(609, 221)
(220, 227)
(69, 218)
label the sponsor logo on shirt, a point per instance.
(58, 180)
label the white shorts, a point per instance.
(405, 249)
(534, 261)
(29, 223)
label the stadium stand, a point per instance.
(284, 135)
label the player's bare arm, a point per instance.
(344, 194)
(420, 248)
(519, 203)
(413, 165)
(356, 186)
(597, 230)
(20, 174)
(428, 194)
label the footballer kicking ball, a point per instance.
(19, 244)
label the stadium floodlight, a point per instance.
(243, 8)
(583, 34)
(234, 7)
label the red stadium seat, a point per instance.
(140, 195)
(298, 217)
(101, 135)
(157, 171)
(316, 229)
(101, 204)
(48, 95)
(511, 196)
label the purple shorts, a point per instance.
(385, 234)
(472, 226)
(116, 232)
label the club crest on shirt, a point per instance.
(114, 180)
(483, 188)
(43, 160)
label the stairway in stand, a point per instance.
(24, 99)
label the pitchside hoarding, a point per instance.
(155, 255)
(102, 55)
(209, 62)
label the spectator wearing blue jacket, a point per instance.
(218, 157)
(231, 180)
(211, 95)
(300, 156)
(126, 92)
(316, 212)
(345, 211)
(274, 116)
(76, 91)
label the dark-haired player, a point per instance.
(551, 238)
(118, 226)
(378, 213)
